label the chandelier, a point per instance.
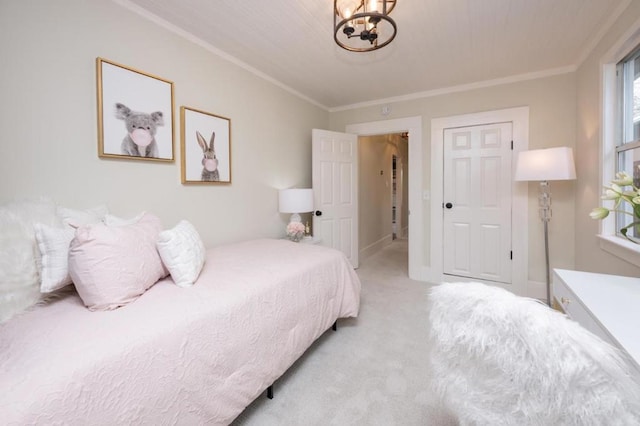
(363, 25)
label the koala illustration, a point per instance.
(141, 127)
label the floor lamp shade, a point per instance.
(295, 200)
(546, 164)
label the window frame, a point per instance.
(627, 130)
(611, 111)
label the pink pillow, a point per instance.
(113, 265)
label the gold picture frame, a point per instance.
(205, 147)
(135, 114)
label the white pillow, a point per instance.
(54, 249)
(111, 220)
(182, 253)
(76, 218)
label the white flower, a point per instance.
(612, 193)
(599, 213)
(295, 227)
(623, 179)
(618, 193)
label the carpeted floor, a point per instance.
(372, 371)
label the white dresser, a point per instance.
(606, 305)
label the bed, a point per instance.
(197, 355)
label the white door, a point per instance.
(477, 202)
(334, 179)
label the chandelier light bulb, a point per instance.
(347, 8)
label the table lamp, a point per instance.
(295, 201)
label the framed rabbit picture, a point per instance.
(205, 147)
(135, 113)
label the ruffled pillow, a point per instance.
(112, 266)
(54, 242)
(54, 249)
(182, 252)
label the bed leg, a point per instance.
(334, 327)
(270, 392)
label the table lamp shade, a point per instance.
(546, 164)
(297, 200)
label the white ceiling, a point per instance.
(440, 43)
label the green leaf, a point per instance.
(624, 231)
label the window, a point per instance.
(620, 127)
(627, 149)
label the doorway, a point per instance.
(413, 127)
(382, 215)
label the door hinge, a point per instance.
(511, 255)
(511, 145)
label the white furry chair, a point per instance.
(500, 359)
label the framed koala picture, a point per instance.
(205, 148)
(135, 114)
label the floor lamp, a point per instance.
(544, 165)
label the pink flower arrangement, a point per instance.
(295, 231)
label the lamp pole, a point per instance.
(544, 203)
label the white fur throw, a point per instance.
(500, 359)
(19, 254)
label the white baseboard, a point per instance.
(372, 249)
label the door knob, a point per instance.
(318, 213)
(448, 205)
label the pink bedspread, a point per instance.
(195, 355)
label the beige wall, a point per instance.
(552, 106)
(48, 121)
(589, 256)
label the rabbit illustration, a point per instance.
(141, 127)
(209, 161)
